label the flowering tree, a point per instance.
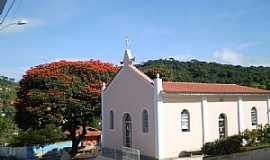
(63, 93)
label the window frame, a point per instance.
(145, 121)
(254, 116)
(185, 127)
(127, 138)
(223, 134)
(111, 119)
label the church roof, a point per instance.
(211, 88)
(142, 74)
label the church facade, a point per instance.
(163, 119)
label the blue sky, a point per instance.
(234, 32)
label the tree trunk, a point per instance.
(77, 139)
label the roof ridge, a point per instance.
(202, 83)
(194, 87)
(143, 75)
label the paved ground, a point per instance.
(191, 158)
(187, 158)
(89, 157)
(102, 158)
(84, 156)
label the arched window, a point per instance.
(185, 121)
(222, 125)
(254, 118)
(127, 130)
(145, 121)
(111, 120)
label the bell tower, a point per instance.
(128, 57)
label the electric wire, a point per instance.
(16, 9)
(9, 9)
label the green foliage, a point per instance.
(248, 140)
(258, 136)
(250, 136)
(260, 133)
(266, 133)
(7, 130)
(164, 73)
(227, 145)
(96, 122)
(37, 137)
(7, 91)
(9, 112)
(197, 71)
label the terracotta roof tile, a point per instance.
(93, 133)
(190, 87)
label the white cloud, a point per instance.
(228, 56)
(31, 23)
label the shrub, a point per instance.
(7, 130)
(260, 135)
(250, 137)
(37, 137)
(267, 133)
(248, 140)
(227, 145)
(184, 154)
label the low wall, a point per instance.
(39, 151)
(29, 153)
(258, 154)
(17, 152)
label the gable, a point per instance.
(129, 75)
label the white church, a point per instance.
(162, 119)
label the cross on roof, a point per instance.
(127, 42)
(128, 58)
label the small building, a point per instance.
(92, 137)
(163, 119)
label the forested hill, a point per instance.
(7, 91)
(5, 81)
(198, 71)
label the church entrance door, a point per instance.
(127, 130)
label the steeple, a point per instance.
(128, 57)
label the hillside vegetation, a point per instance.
(198, 71)
(7, 91)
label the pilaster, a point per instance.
(268, 109)
(240, 115)
(102, 112)
(157, 112)
(204, 112)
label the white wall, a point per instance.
(173, 139)
(216, 106)
(260, 103)
(129, 93)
